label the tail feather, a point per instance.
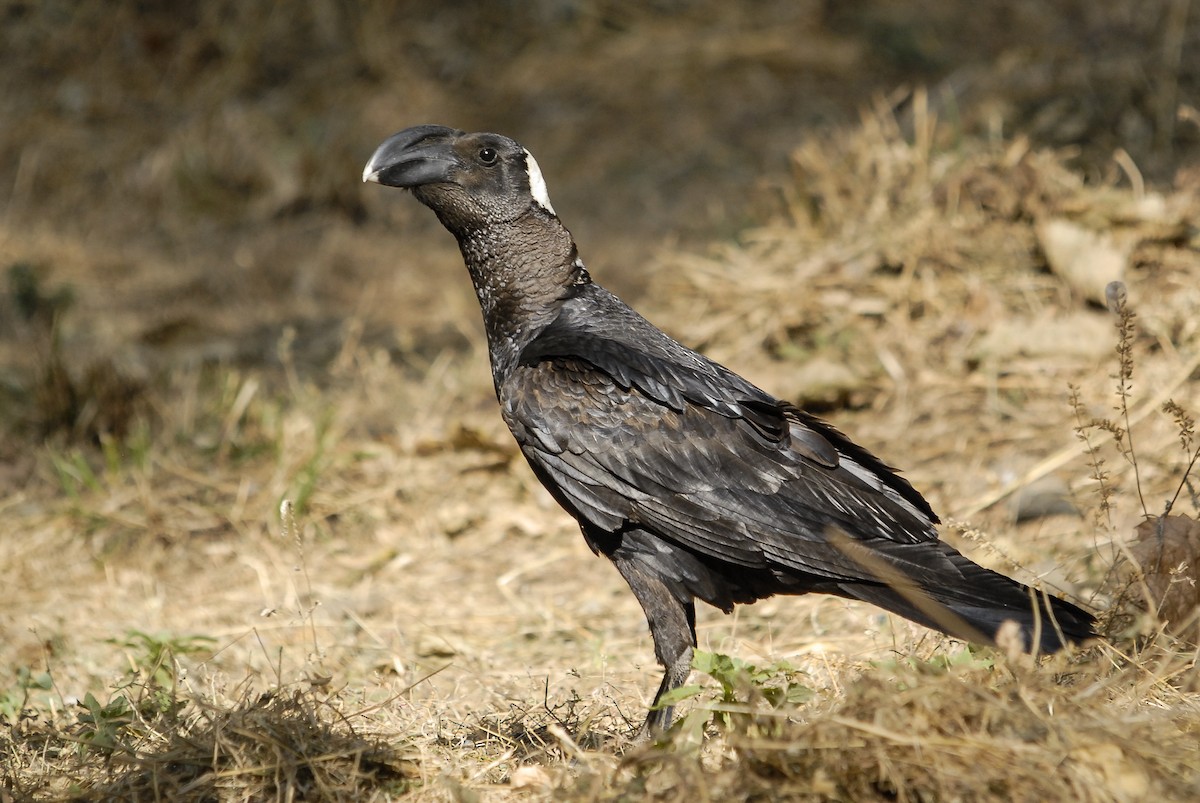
(976, 610)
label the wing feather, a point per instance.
(683, 448)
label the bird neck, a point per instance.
(521, 270)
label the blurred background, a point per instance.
(189, 175)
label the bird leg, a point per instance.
(672, 626)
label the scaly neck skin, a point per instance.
(521, 270)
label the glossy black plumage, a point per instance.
(694, 482)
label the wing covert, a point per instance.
(617, 452)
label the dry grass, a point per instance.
(213, 320)
(260, 747)
(919, 731)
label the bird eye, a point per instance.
(488, 156)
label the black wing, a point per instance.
(629, 428)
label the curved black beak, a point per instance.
(413, 157)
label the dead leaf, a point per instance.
(1106, 766)
(1086, 260)
(1167, 551)
(529, 777)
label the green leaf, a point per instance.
(678, 695)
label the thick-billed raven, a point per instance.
(695, 483)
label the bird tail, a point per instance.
(976, 609)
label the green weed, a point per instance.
(744, 688)
(151, 680)
(13, 702)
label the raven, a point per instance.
(694, 482)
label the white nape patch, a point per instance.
(537, 184)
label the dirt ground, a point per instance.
(900, 214)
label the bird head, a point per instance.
(469, 180)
